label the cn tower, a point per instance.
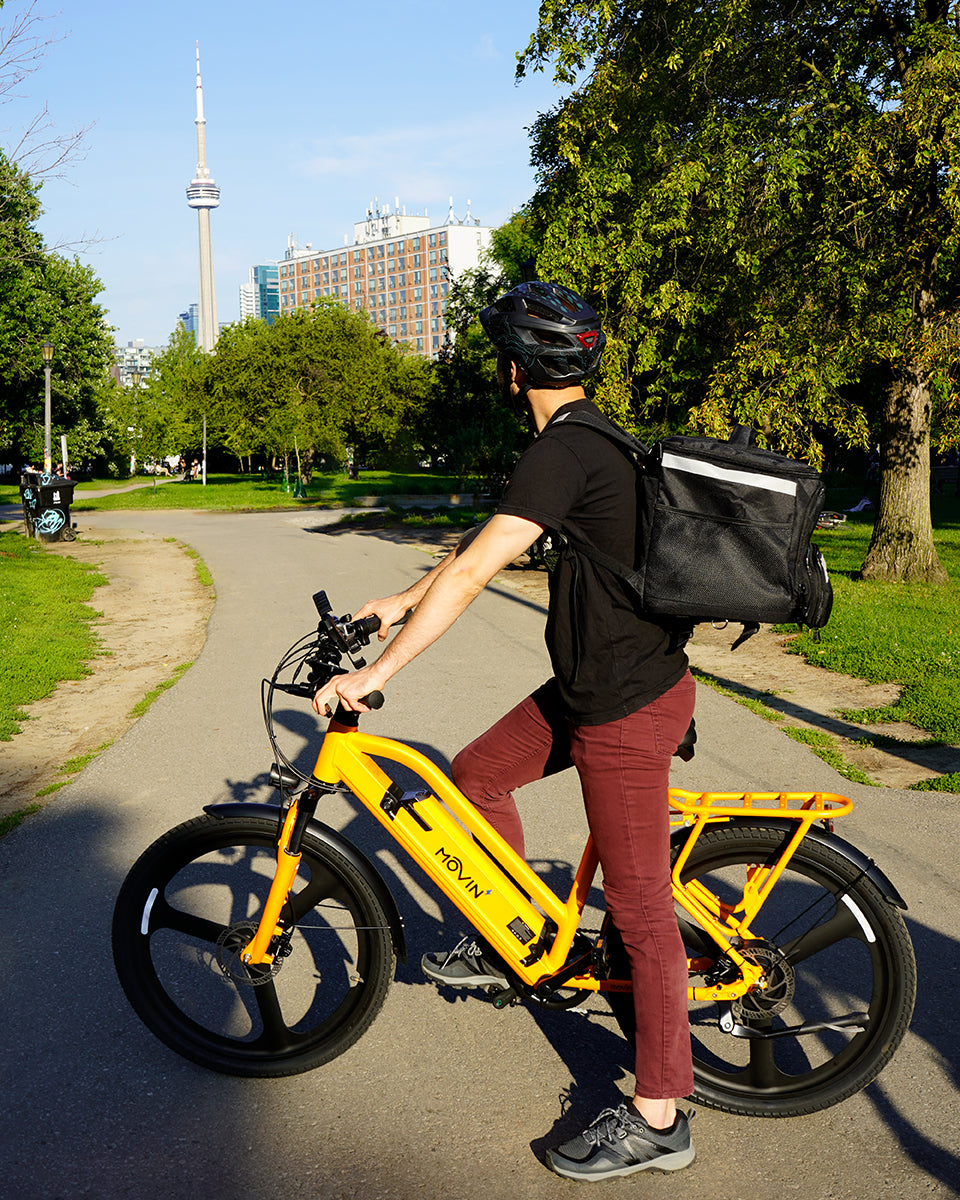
(203, 194)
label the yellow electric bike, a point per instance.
(258, 941)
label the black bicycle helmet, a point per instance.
(548, 331)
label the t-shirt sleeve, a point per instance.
(546, 483)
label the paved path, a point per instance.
(439, 1099)
(14, 512)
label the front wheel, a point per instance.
(193, 899)
(840, 974)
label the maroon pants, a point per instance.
(624, 769)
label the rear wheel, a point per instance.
(839, 970)
(193, 900)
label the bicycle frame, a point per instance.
(505, 901)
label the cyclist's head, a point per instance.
(548, 331)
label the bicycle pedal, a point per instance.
(503, 997)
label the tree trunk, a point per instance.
(902, 544)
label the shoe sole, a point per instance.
(666, 1162)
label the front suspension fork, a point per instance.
(258, 950)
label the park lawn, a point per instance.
(242, 493)
(45, 625)
(908, 634)
(10, 492)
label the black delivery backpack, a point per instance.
(723, 532)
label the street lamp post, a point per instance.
(135, 378)
(47, 351)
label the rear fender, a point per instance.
(330, 837)
(816, 833)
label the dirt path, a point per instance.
(154, 619)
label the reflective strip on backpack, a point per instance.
(695, 466)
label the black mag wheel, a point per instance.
(837, 957)
(188, 904)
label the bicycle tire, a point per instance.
(210, 875)
(848, 950)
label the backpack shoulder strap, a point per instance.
(635, 450)
(604, 425)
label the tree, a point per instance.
(166, 416)
(39, 151)
(318, 382)
(43, 295)
(762, 199)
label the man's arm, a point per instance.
(391, 608)
(453, 586)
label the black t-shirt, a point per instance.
(607, 660)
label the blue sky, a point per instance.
(312, 110)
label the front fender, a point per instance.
(330, 837)
(816, 833)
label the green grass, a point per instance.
(141, 706)
(943, 783)
(74, 765)
(10, 492)
(51, 788)
(749, 697)
(45, 625)
(240, 493)
(12, 820)
(906, 634)
(418, 518)
(203, 571)
(824, 746)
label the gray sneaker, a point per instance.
(465, 966)
(620, 1142)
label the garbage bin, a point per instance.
(46, 506)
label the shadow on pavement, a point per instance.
(102, 1105)
(587, 1039)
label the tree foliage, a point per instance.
(466, 425)
(762, 199)
(43, 296)
(323, 382)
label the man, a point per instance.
(617, 707)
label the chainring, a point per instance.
(778, 982)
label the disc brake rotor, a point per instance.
(775, 990)
(230, 944)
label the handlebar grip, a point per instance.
(368, 625)
(373, 700)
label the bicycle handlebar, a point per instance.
(341, 636)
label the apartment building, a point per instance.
(398, 268)
(134, 357)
